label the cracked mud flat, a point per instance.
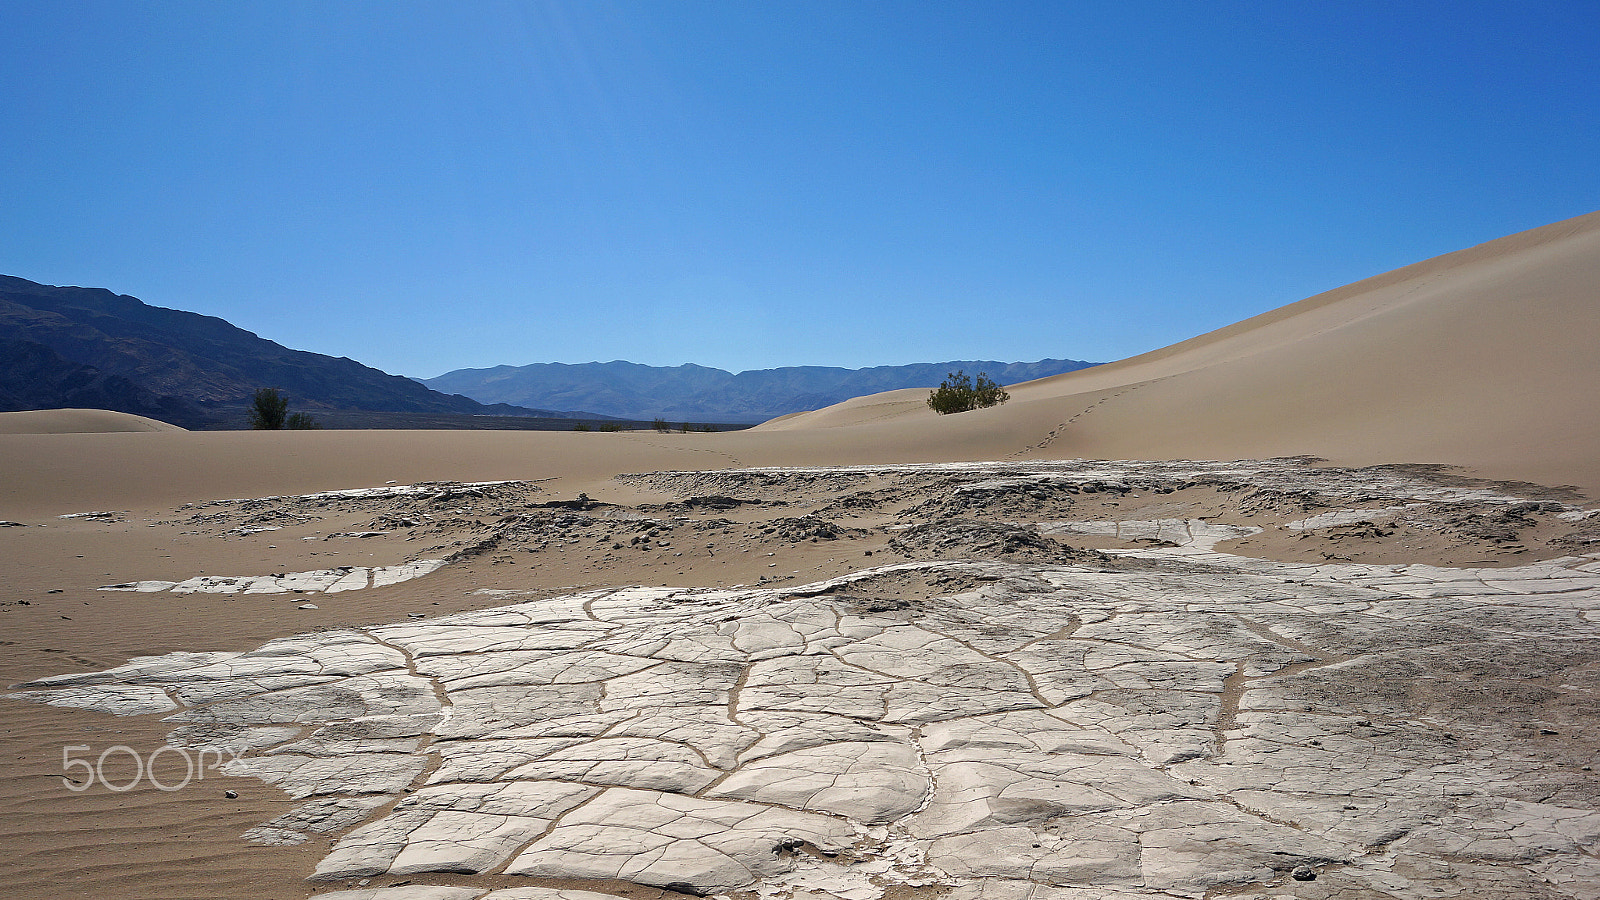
(1053, 683)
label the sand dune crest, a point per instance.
(77, 421)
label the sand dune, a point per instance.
(77, 421)
(1484, 358)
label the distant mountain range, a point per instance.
(700, 394)
(73, 347)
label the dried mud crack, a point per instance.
(1049, 681)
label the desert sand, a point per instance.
(1308, 606)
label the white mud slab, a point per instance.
(443, 489)
(319, 581)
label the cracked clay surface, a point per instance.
(997, 714)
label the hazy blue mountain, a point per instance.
(88, 347)
(700, 394)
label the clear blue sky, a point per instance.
(432, 186)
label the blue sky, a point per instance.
(432, 186)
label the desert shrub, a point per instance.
(985, 393)
(268, 409)
(301, 422)
(959, 393)
(611, 426)
(581, 426)
(661, 426)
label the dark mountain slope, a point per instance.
(36, 377)
(202, 359)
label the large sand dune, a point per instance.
(1486, 358)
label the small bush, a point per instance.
(301, 422)
(581, 426)
(268, 409)
(958, 393)
(661, 426)
(611, 426)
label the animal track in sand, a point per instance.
(1056, 432)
